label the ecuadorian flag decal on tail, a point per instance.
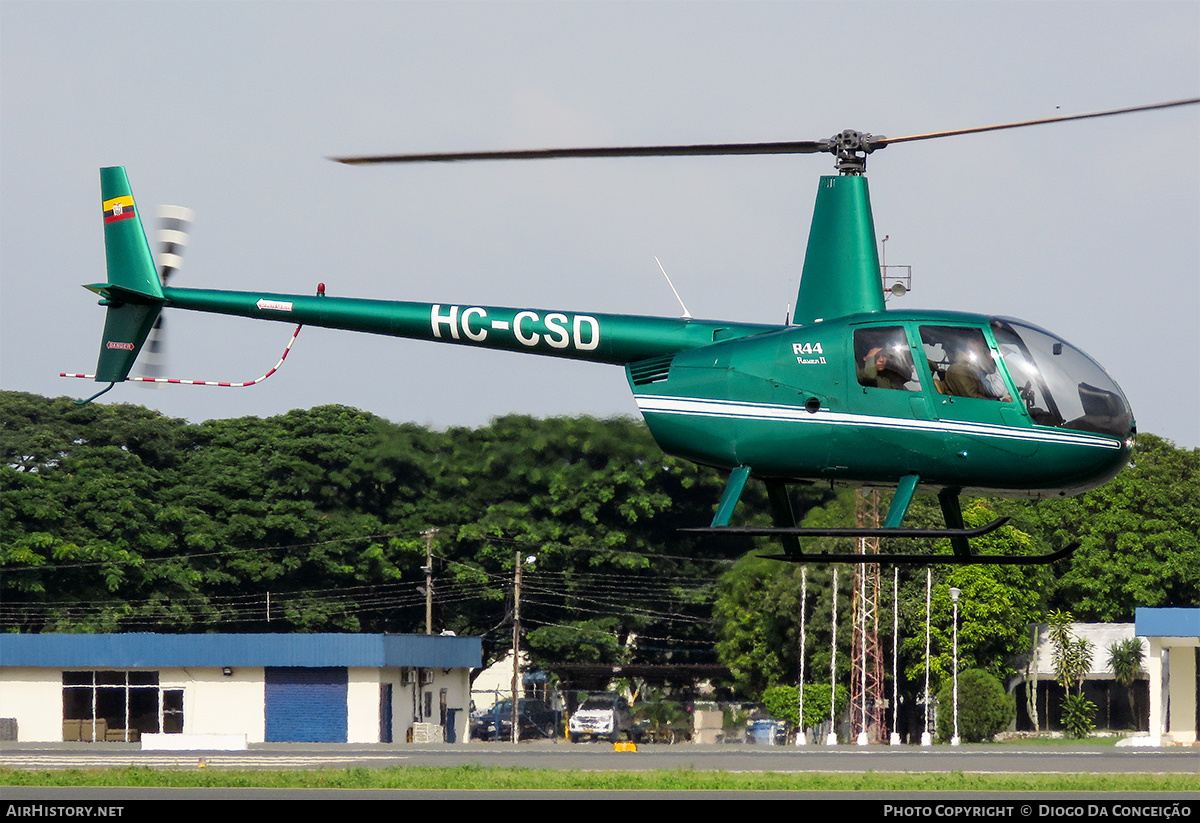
(119, 208)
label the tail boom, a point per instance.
(603, 338)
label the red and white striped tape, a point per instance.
(274, 369)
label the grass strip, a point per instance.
(487, 777)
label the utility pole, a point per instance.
(429, 534)
(515, 730)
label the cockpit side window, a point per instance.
(961, 363)
(1031, 386)
(883, 359)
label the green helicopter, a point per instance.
(846, 392)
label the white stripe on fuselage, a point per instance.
(770, 412)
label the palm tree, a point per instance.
(1125, 660)
(1072, 662)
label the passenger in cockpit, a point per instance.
(878, 370)
(966, 378)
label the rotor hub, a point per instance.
(851, 148)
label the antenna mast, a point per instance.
(867, 700)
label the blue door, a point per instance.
(306, 705)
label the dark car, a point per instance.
(537, 720)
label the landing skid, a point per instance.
(928, 559)
(959, 559)
(788, 533)
(797, 531)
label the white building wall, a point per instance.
(404, 704)
(214, 703)
(34, 698)
(495, 682)
(409, 700)
(1181, 683)
(362, 705)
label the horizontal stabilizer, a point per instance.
(126, 327)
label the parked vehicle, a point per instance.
(537, 720)
(602, 716)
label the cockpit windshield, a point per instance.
(1059, 384)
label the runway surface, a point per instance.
(1005, 758)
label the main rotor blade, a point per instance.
(839, 144)
(699, 150)
(884, 141)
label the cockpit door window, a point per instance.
(961, 363)
(883, 359)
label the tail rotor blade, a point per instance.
(154, 357)
(174, 227)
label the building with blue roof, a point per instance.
(343, 688)
(1174, 636)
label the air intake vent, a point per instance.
(653, 370)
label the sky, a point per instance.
(1090, 229)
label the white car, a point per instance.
(606, 715)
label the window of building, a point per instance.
(118, 707)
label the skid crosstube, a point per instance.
(881, 532)
(928, 559)
(960, 559)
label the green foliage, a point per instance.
(568, 778)
(1125, 660)
(782, 703)
(817, 699)
(1072, 657)
(1078, 716)
(757, 612)
(579, 641)
(734, 720)
(984, 708)
(114, 518)
(995, 605)
(665, 719)
(1072, 661)
(1138, 535)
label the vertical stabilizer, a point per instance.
(130, 263)
(841, 265)
(133, 293)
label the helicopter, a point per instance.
(845, 392)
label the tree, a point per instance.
(1138, 535)
(1125, 660)
(116, 518)
(1072, 662)
(601, 507)
(783, 703)
(757, 612)
(665, 719)
(984, 708)
(995, 606)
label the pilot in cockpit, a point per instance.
(967, 376)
